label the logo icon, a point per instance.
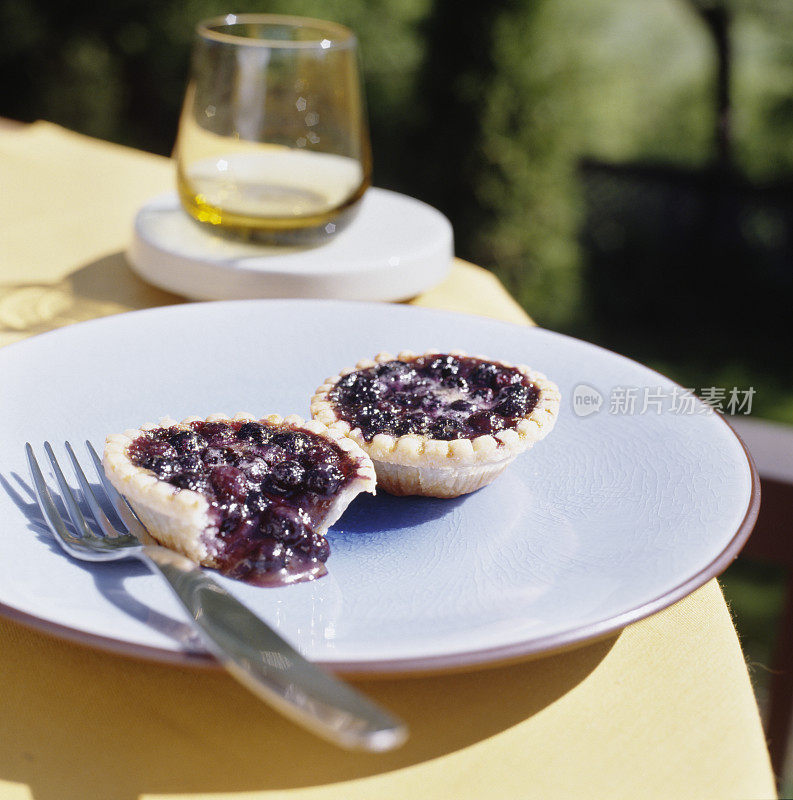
(586, 400)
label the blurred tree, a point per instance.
(717, 19)
(693, 261)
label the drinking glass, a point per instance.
(273, 143)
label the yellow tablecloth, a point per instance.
(662, 710)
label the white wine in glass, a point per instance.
(273, 143)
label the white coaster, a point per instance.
(395, 248)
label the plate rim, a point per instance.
(411, 666)
(457, 662)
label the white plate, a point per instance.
(612, 517)
(394, 248)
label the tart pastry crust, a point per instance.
(415, 464)
(180, 519)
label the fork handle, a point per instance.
(269, 666)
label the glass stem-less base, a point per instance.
(241, 229)
(274, 195)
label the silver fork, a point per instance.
(246, 646)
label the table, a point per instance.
(663, 709)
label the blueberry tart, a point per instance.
(438, 424)
(250, 497)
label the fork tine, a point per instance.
(88, 493)
(124, 510)
(68, 497)
(44, 498)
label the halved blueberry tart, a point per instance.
(251, 497)
(438, 424)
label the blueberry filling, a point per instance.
(267, 486)
(442, 396)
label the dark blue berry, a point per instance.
(321, 549)
(513, 401)
(187, 442)
(295, 526)
(395, 371)
(215, 457)
(235, 522)
(163, 466)
(253, 432)
(256, 502)
(401, 427)
(455, 382)
(270, 454)
(191, 462)
(324, 479)
(388, 420)
(218, 433)
(515, 390)
(192, 481)
(445, 366)
(418, 422)
(254, 467)
(229, 482)
(506, 377)
(287, 525)
(288, 475)
(319, 452)
(292, 442)
(315, 546)
(407, 399)
(364, 389)
(486, 422)
(348, 381)
(511, 407)
(372, 418)
(482, 394)
(269, 555)
(483, 374)
(160, 449)
(447, 429)
(431, 403)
